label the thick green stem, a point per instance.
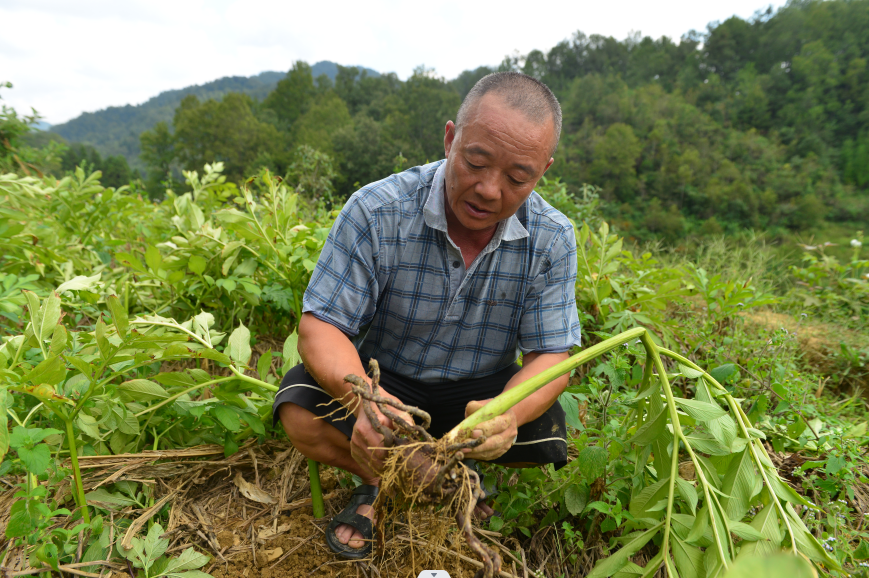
(316, 489)
(240, 375)
(76, 472)
(742, 420)
(513, 396)
(652, 353)
(172, 398)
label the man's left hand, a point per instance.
(500, 433)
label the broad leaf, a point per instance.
(119, 315)
(651, 429)
(238, 347)
(143, 390)
(700, 410)
(35, 459)
(739, 483)
(609, 566)
(290, 352)
(689, 559)
(227, 417)
(592, 462)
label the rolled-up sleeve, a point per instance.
(343, 289)
(550, 323)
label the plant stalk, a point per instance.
(511, 397)
(76, 472)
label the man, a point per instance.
(443, 273)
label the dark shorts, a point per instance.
(542, 441)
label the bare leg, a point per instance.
(318, 440)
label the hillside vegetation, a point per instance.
(115, 131)
(758, 123)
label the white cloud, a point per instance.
(68, 57)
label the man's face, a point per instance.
(494, 162)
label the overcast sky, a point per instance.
(65, 58)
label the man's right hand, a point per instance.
(365, 438)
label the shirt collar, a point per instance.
(509, 229)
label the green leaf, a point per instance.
(688, 493)
(103, 496)
(612, 564)
(689, 372)
(20, 521)
(79, 283)
(102, 342)
(143, 390)
(767, 525)
(58, 340)
(189, 559)
(264, 364)
(153, 258)
(80, 364)
(689, 559)
(119, 315)
(723, 429)
(701, 524)
(49, 315)
(51, 371)
(807, 543)
(197, 264)
(778, 565)
(648, 497)
(722, 372)
(739, 483)
(700, 410)
(576, 498)
(4, 423)
(650, 429)
(189, 574)
(239, 345)
(745, 532)
(592, 462)
(215, 356)
(227, 417)
(35, 459)
(784, 491)
(290, 352)
(88, 425)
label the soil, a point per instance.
(207, 510)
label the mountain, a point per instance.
(115, 130)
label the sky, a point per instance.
(65, 58)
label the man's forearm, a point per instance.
(328, 355)
(541, 400)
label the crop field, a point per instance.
(141, 344)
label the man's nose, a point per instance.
(489, 187)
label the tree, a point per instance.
(225, 131)
(614, 166)
(158, 153)
(322, 120)
(292, 96)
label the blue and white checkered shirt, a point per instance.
(391, 278)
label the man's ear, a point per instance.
(450, 136)
(549, 164)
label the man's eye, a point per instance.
(473, 166)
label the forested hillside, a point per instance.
(115, 130)
(758, 123)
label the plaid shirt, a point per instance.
(391, 278)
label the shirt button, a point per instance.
(456, 264)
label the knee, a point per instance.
(300, 424)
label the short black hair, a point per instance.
(520, 92)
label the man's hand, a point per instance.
(500, 432)
(365, 437)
